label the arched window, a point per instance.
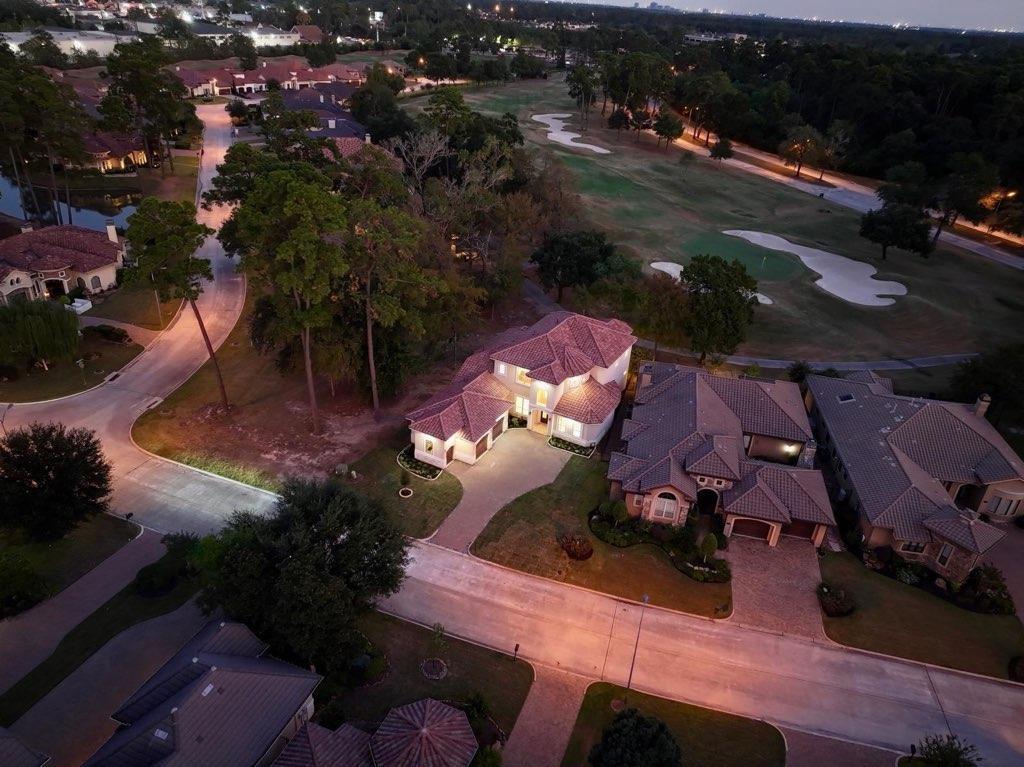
(665, 506)
(81, 283)
(96, 284)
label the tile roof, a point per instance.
(687, 422)
(14, 753)
(898, 451)
(426, 733)
(209, 708)
(107, 143)
(57, 247)
(309, 33)
(316, 746)
(590, 402)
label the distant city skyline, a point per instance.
(980, 14)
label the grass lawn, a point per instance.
(502, 681)
(136, 305)
(61, 563)
(66, 378)
(660, 209)
(523, 535)
(903, 620)
(120, 612)
(706, 737)
(380, 477)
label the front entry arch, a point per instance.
(707, 501)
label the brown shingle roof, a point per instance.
(426, 733)
(316, 746)
(14, 753)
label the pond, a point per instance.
(89, 209)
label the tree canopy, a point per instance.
(579, 258)
(636, 740)
(37, 332)
(720, 296)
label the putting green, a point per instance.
(761, 263)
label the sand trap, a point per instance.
(558, 134)
(850, 280)
(675, 269)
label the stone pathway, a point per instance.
(28, 639)
(774, 588)
(519, 461)
(73, 719)
(806, 750)
(545, 724)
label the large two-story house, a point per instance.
(564, 376)
(737, 447)
(920, 472)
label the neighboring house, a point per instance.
(72, 41)
(316, 746)
(213, 32)
(14, 753)
(269, 37)
(291, 73)
(205, 82)
(219, 701)
(564, 375)
(741, 448)
(113, 152)
(309, 33)
(51, 262)
(918, 471)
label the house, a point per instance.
(72, 41)
(50, 262)
(269, 37)
(564, 376)
(309, 33)
(735, 447)
(919, 472)
(205, 82)
(113, 152)
(14, 753)
(219, 700)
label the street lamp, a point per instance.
(1004, 197)
(636, 645)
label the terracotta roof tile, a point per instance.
(590, 402)
(58, 247)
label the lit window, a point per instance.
(664, 507)
(542, 396)
(501, 368)
(429, 445)
(521, 377)
(638, 500)
(912, 548)
(569, 426)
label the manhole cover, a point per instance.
(434, 668)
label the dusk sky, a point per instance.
(976, 14)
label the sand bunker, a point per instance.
(850, 280)
(558, 134)
(675, 269)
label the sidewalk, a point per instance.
(28, 639)
(806, 750)
(546, 722)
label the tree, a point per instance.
(721, 150)
(582, 82)
(802, 144)
(164, 237)
(244, 48)
(302, 576)
(386, 77)
(577, 258)
(636, 740)
(527, 67)
(420, 153)
(907, 184)
(835, 146)
(42, 50)
(947, 751)
(663, 310)
(721, 304)
(1000, 374)
(899, 226)
(708, 547)
(971, 177)
(37, 332)
(668, 126)
(51, 478)
(286, 231)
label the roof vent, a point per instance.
(162, 734)
(207, 690)
(845, 397)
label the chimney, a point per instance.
(112, 232)
(806, 459)
(982, 405)
(367, 138)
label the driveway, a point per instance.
(546, 722)
(1008, 556)
(774, 588)
(519, 461)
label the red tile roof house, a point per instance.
(309, 33)
(919, 472)
(715, 445)
(564, 375)
(50, 262)
(113, 152)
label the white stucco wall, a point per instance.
(617, 372)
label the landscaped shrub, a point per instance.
(678, 541)
(571, 447)
(417, 467)
(718, 527)
(21, 586)
(576, 545)
(985, 591)
(1016, 670)
(516, 422)
(835, 600)
(109, 333)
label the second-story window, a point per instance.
(500, 368)
(542, 397)
(521, 376)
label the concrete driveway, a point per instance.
(774, 588)
(519, 461)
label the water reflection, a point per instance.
(89, 209)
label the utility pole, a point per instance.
(636, 645)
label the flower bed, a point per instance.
(678, 541)
(571, 447)
(417, 467)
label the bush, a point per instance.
(109, 333)
(417, 467)
(576, 545)
(708, 546)
(835, 600)
(985, 591)
(21, 586)
(160, 577)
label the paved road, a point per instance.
(789, 681)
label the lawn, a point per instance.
(905, 621)
(120, 612)
(136, 305)
(707, 738)
(61, 563)
(64, 378)
(660, 209)
(523, 535)
(380, 477)
(503, 682)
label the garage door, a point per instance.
(751, 528)
(499, 427)
(799, 529)
(481, 446)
